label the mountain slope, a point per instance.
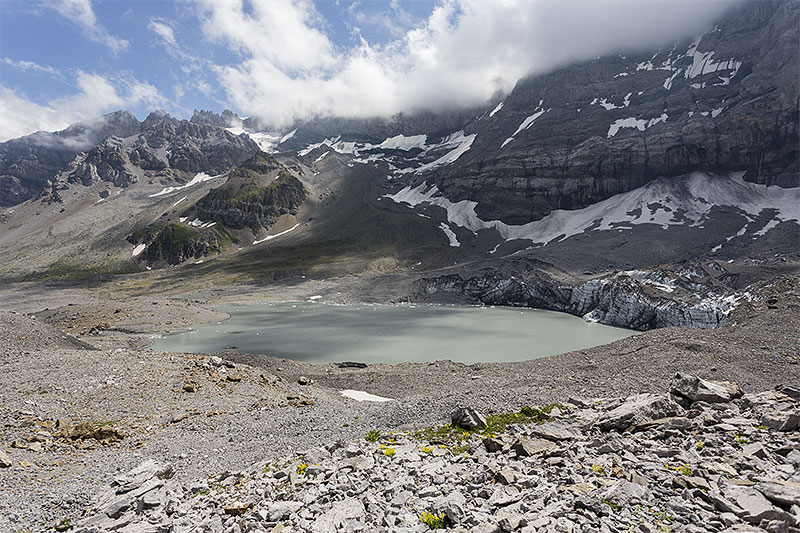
(727, 101)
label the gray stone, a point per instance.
(622, 492)
(782, 421)
(555, 431)
(467, 418)
(493, 445)
(338, 516)
(789, 390)
(697, 389)
(755, 507)
(116, 507)
(505, 476)
(784, 493)
(754, 449)
(5, 460)
(452, 505)
(637, 410)
(282, 510)
(527, 447)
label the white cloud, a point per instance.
(462, 54)
(29, 66)
(96, 95)
(81, 13)
(164, 31)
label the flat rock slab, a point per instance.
(528, 447)
(637, 410)
(696, 389)
(554, 431)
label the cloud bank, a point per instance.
(96, 95)
(466, 51)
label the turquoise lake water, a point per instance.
(321, 333)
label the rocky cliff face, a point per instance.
(691, 297)
(164, 149)
(117, 149)
(725, 101)
(255, 195)
(27, 163)
(174, 243)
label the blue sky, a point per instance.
(282, 60)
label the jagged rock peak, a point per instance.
(156, 116)
(226, 120)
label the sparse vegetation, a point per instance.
(454, 438)
(372, 435)
(611, 504)
(432, 520)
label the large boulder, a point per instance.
(696, 389)
(468, 418)
(638, 409)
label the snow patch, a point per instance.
(451, 236)
(179, 201)
(632, 122)
(401, 142)
(270, 237)
(139, 249)
(527, 123)
(287, 136)
(496, 109)
(198, 178)
(460, 143)
(667, 202)
(320, 158)
(361, 396)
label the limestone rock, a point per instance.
(338, 516)
(637, 410)
(468, 418)
(528, 447)
(696, 389)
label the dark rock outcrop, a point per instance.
(255, 195)
(174, 243)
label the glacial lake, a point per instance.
(322, 333)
